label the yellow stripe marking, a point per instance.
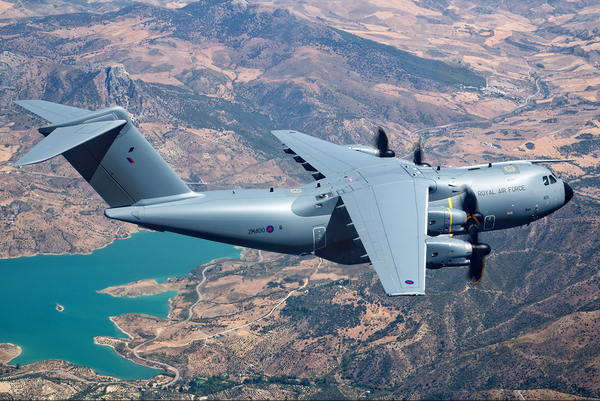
(450, 204)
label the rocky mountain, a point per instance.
(206, 81)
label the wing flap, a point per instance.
(391, 219)
(63, 139)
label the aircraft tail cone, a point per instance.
(131, 214)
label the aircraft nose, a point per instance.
(568, 193)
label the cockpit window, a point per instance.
(552, 180)
(545, 179)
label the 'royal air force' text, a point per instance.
(489, 192)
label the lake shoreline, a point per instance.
(8, 352)
(84, 252)
(75, 280)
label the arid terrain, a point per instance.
(206, 81)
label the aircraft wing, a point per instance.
(388, 208)
(391, 221)
(325, 157)
(52, 112)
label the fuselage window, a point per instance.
(545, 179)
(552, 180)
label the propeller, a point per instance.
(480, 251)
(418, 154)
(381, 143)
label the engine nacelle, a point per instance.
(371, 150)
(447, 251)
(364, 149)
(443, 220)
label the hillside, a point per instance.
(207, 81)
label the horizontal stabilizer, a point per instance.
(65, 138)
(52, 112)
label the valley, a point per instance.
(206, 81)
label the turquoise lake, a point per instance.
(30, 287)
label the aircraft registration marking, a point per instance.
(295, 191)
(261, 230)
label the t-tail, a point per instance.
(107, 150)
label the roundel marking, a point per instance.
(409, 282)
(270, 229)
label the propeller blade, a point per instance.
(381, 143)
(417, 153)
(469, 201)
(480, 251)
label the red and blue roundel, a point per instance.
(409, 282)
(270, 229)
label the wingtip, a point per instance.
(404, 294)
(27, 160)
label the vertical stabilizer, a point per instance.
(107, 150)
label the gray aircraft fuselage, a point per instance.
(364, 182)
(308, 219)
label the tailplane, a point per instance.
(107, 150)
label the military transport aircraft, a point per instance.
(365, 205)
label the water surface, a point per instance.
(30, 288)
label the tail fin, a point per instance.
(107, 150)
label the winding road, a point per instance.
(136, 350)
(520, 106)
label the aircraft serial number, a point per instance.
(256, 230)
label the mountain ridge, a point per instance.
(207, 100)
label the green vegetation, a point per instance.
(210, 385)
(526, 47)
(169, 359)
(387, 330)
(417, 66)
(279, 379)
(483, 10)
(586, 145)
(325, 318)
(202, 111)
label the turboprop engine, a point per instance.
(447, 251)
